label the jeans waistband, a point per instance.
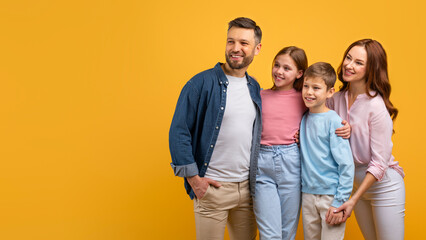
(273, 148)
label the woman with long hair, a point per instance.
(378, 198)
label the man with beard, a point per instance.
(215, 137)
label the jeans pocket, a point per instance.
(264, 163)
(293, 161)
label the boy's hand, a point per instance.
(334, 217)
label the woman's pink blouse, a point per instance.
(372, 128)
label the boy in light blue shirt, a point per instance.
(327, 162)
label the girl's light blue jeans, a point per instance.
(278, 196)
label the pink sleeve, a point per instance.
(381, 128)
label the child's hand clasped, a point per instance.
(333, 218)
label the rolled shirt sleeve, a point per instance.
(180, 134)
(381, 128)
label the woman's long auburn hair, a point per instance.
(299, 57)
(376, 75)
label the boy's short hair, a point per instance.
(324, 71)
(247, 23)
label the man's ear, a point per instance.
(257, 49)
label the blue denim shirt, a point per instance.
(197, 120)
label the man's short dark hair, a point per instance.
(324, 71)
(247, 23)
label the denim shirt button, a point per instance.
(217, 127)
(211, 146)
(221, 108)
(205, 164)
(224, 90)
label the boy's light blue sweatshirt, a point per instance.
(327, 162)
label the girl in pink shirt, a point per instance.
(278, 181)
(379, 193)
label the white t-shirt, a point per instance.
(230, 161)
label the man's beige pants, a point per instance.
(229, 205)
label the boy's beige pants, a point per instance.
(314, 210)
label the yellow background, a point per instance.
(88, 89)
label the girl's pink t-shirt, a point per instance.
(282, 112)
(372, 128)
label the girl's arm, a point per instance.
(348, 206)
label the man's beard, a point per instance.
(246, 61)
